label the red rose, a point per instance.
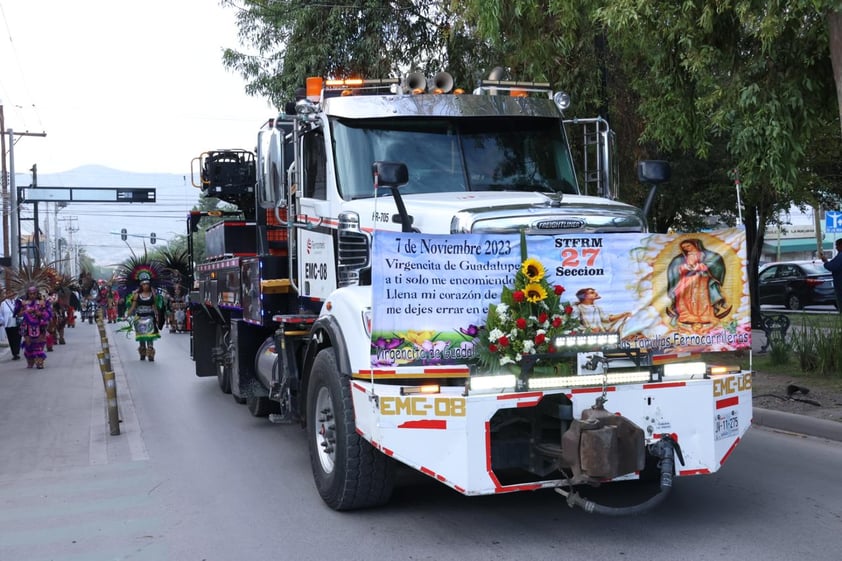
(542, 317)
(568, 310)
(492, 347)
(559, 290)
(551, 349)
(518, 296)
(540, 338)
(557, 321)
(504, 341)
(521, 323)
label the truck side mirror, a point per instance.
(390, 174)
(271, 169)
(652, 173)
(393, 175)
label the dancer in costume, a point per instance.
(146, 307)
(59, 320)
(36, 315)
(178, 310)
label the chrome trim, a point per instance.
(353, 253)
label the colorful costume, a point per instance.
(145, 306)
(36, 315)
(59, 320)
(177, 310)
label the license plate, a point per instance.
(727, 425)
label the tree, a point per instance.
(290, 40)
(751, 75)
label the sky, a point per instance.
(132, 86)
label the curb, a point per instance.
(799, 424)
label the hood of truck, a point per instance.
(501, 212)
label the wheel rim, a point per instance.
(325, 430)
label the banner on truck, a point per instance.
(667, 293)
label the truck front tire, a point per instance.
(348, 471)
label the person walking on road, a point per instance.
(36, 315)
(146, 306)
(9, 320)
(835, 267)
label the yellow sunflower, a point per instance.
(532, 269)
(534, 292)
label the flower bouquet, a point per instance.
(529, 317)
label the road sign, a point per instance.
(833, 222)
(88, 195)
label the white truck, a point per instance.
(369, 283)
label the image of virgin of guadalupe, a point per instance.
(694, 283)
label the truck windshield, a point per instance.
(452, 155)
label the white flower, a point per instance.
(494, 334)
(502, 310)
(506, 360)
(529, 346)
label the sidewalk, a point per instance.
(68, 489)
(56, 417)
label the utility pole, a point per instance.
(71, 247)
(4, 186)
(14, 234)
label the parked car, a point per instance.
(795, 284)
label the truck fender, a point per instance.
(325, 333)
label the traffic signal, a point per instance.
(152, 238)
(123, 234)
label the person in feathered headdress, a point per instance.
(143, 304)
(36, 315)
(34, 312)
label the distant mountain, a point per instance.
(97, 225)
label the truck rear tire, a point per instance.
(348, 471)
(223, 368)
(262, 406)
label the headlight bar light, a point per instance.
(492, 383)
(684, 370)
(638, 377)
(590, 341)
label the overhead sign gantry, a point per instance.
(87, 194)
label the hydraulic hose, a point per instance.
(663, 449)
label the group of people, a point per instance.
(36, 321)
(34, 324)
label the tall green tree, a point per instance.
(753, 76)
(285, 41)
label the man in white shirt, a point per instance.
(10, 322)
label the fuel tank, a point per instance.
(264, 362)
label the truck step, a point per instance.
(279, 419)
